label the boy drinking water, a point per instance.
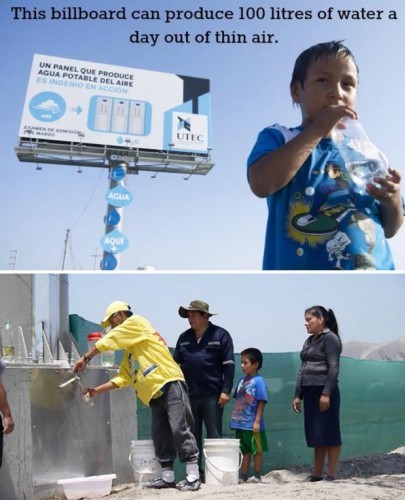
(247, 414)
(318, 217)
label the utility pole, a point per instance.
(96, 255)
(13, 259)
(65, 249)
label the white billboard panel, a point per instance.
(73, 101)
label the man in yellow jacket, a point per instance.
(159, 383)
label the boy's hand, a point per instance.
(330, 116)
(389, 195)
(256, 426)
(389, 191)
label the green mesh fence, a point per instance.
(372, 405)
(80, 328)
(372, 409)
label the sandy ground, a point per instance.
(376, 476)
(373, 477)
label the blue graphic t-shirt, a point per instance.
(249, 391)
(321, 219)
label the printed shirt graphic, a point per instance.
(321, 219)
(248, 393)
(147, 363)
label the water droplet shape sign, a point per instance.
(109, 262)
(112, 218)
(118, 173)
(119, 196)
(47, 106)
(114, 242)
(363, 159)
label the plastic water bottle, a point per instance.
(20, 349)
(363, 159)
(7, 342)
(87, 399)
(108, 358)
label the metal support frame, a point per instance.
(93, 155)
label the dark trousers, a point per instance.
(207, 411)
(172, 423)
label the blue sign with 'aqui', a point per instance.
(114, 242)
(118, 196)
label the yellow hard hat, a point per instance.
(114, 307)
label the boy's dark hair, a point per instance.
(309, 56)
(253, 355)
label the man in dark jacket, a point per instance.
(205, 354)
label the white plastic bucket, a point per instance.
(222, 461)
(144, 462)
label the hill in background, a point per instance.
(394, 350)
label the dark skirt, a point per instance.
(321, 428)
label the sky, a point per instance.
(263, 310)
(205, 222)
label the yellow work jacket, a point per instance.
(147, 364)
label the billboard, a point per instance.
(78, 101)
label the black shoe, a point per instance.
(330, 478)
(186, 485)
(313, 479)
(159, 484)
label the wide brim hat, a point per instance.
(195, 305)
(113, 308)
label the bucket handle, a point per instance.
(221, 470)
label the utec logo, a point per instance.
(184, 123)
(184, 132)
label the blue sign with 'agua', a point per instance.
(118, 196)
(114, 242)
